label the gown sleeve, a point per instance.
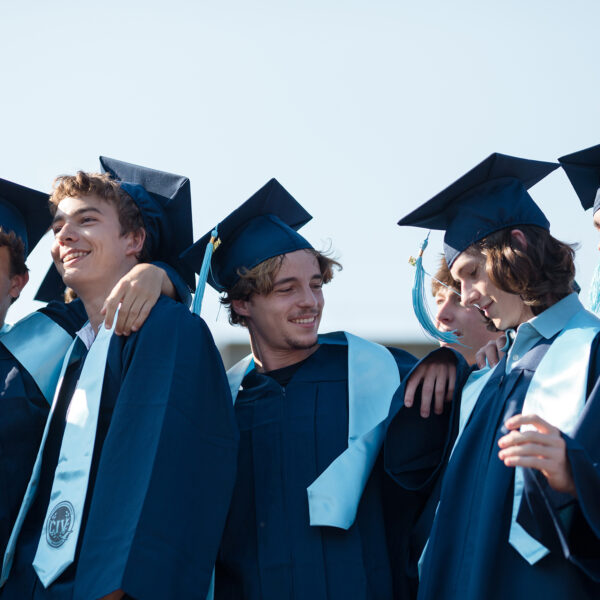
(415, 448)
(559, 521)
(181, 288)
(167, 466)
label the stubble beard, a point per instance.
(295, 344)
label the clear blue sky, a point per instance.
(362, 109)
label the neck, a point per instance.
(93, 295)
(271, 359)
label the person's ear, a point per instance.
(17, 283)
(520, 238)
(136, 242)
(241, 307)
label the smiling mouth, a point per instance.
(304, 320)
(73, 256)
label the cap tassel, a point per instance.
(420, 304)
(594, 296)
(212, 245)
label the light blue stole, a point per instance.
(557, 393)
(39, 344)
(468, 399)
(35, 477)
(373, 378)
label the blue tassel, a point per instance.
(420, 304)
(203, 276)
(594, 297)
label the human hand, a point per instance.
(137, 292)
(437, 376)
(542, 448)
(492, 352)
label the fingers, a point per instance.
(488, 355)
(517, 421)
(451, 382)
(136, 293)
(411, 386)
(492, 355)
(545, 465)
(427, 391)
(112, 303)
(529, 449)
(480, 358)
(437, 381)
(502, 344)
(134, 318)
(515, 438)
(441, 384)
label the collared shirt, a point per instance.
(87, 335)
(545, 325)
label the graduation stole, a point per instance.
(373, 379)
(557, 393)
(58, 540)
(39, 345)
(468, 398)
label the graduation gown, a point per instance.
(23, 412)
(288, 437)
(162, 469)
(468, 555)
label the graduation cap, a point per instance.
(262, 227)
(164, 200)
(583, 170)
(25, 212)
(490, 197)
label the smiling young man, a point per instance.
(31, 351)
(518, 511)
(472, 329)
(140, 427)
(307, 518)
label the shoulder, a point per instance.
(71, 317)
(171, 322)
(169, 312)
(405, 360)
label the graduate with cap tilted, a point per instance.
(131, 484)
(518, 513)
(31, 351)
(308, 516)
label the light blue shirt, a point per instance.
(543, 326)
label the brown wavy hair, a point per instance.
(541, 274)
(107, 189)
(261, 278)
(443, 278)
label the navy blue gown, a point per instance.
(289, 434)
(23, 412)
(468, 556)
(162, 470)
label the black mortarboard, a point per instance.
(262, 227)
(165, 202)
(490, 197)
(583, 170)
(25, 212)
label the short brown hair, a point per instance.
(541, 274)
(260, 280)
(16, 249)
(107, 189)
(443, 278)
(16, 252)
